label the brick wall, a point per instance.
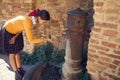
(58, 11)
(13, 8)
(104, 45)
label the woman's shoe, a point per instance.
(21, 72)
(17, 75)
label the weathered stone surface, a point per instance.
(106, 30)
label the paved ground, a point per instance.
(6, 72)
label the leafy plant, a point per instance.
(49, 54)
(85, 75)
(43, 53)
(58, 56)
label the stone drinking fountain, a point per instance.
(76, 24)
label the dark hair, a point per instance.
(43, 14)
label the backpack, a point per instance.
(2, 22)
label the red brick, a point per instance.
(118, 47)
(16, 5)
(100, 67)
(114, 40)
(97, 67)
(110, 32)
(119, 69)
(28, 1)
(112, 76)
(118, 73)
(98, 30)
(99, 17)
(102, 77)
(99, 10)
(110, 56)
(94, 41)
(110, 25)
(111, 19)
(91, 59)
(99, 47)
(112, 11)
(92, 50)
(114, 56)
(101, 62)
(17, 1)
(99, 4)
(93, 55)
(105, 59)
(106, 25)
(92, 70)
(110, 70)
(116, 52)
(111, 4)
(97, 36)
(112, 66)
(7, 1)
(116, 62)
(108, 44)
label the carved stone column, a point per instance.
(74, 46)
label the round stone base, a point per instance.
(69, 73)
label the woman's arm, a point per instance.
(28, 29)
(12, 40)
(17, 35)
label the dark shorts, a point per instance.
(13, 48)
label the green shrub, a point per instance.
(58, 56)
(85, 75)
(49, 54)
(43, 53)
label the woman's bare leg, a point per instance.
(18, 60)
(13, 61)
(19, 64)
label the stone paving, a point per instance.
(6, 72)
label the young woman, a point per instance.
(13, 38)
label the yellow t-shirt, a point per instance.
(19, 24)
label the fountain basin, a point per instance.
(43, 71)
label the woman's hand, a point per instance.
(12, 40)
(48, 40)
